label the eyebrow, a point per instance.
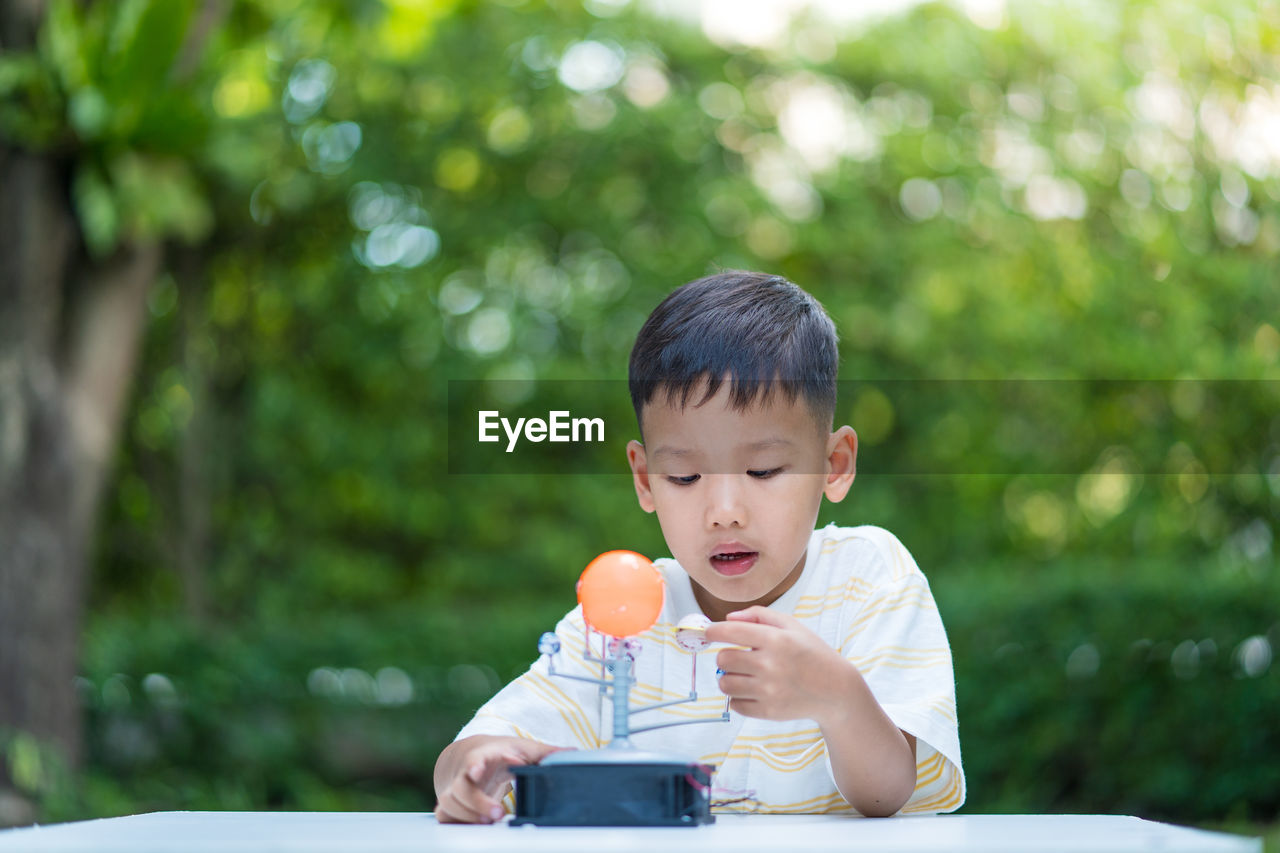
(755, 445)
(769, 442)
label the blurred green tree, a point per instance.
(387, 194)
(99, 124)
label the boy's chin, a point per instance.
(731, 594)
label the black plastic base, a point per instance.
(600, 794)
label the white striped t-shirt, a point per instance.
(860, 591)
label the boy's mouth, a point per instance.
(732, 563)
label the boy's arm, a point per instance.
(471, 775)
(787, 672)
(873, 761)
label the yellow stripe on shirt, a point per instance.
(810, 735)
(930, 771)
(948, 799)
(572, 715)
(813, 805)
(773, 760)
(946, 706)
(903, 660)
(836, 596)
(830, 546)
(915, 597)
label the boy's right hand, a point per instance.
(481, 779)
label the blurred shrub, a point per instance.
(1105, 688)
(1118, 688)
(284, 714)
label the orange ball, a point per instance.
(620, 593)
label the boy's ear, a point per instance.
(842, 463)
(640, 474)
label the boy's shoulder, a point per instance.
(874, 555)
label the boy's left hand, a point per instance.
(786, 672)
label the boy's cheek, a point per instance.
(662, 493)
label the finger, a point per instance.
(530, 752)
(514, 757)
(483, 762)
(484, 805)
(763, 616)
(738, 686)
(749, 634)
(493, 770)
(455, 810)
(452, 812)
(477, 802)
(499, 776)
(738, 661)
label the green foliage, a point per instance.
(1118, 688)
(396, 195)
(108, 87)
(115, 66)
(28, 100)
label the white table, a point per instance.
(417, 831)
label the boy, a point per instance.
(838, 671)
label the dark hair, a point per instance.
(761, 331)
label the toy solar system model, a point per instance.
(619, 785)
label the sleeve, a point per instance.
(896, 640)
(542, 707)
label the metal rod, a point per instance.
(723, 718)
(579, 678)
(692, 697)
(621, 665)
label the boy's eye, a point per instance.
(764, 475)
(684, 481)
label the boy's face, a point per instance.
(737, 492)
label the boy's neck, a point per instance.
(716, 610)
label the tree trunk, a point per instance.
(69, 336)
(70, 332)
(40, 558)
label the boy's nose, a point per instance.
(725, 508)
